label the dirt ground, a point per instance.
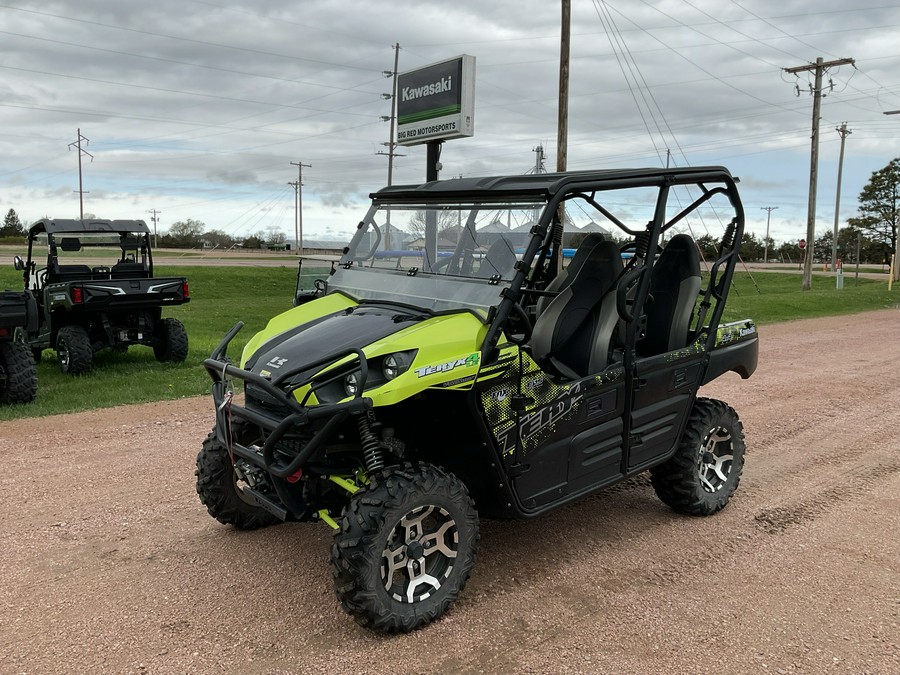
(108, 562)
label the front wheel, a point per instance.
(73, 350)
(171, 343)
(18, 377)
(706, 468)
(220, 488)
(405, 548)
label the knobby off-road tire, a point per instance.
(706, 468)
(73, 350)
(19, 335)
(18, 376)
(218, 490)
(171, 344)
(405, 547)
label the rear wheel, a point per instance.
(220, 488)
(405, 548)
(706, 468)
(73, 350)
(18, 376)
(171, 343)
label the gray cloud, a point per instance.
(198, 109)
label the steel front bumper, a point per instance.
(298, 417)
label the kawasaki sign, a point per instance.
(436, 102)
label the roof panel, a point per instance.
(54, 225)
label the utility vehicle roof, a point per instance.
(544, 185)
(54, 225)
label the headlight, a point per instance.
(351, 383)
(395, 364)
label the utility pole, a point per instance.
(844, 132)
(539, 159)
(539, 168)
(819, 67)
(766, 242)
(562, 129)
(154, 216)
(81, 151)
(895, 258)
(562, 124)
(298, 207)
(391, 145)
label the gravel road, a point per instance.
(109, 563)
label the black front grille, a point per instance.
(259, 400)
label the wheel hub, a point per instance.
(716, 455)
(415, 550)
(420, 554)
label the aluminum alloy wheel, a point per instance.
(716, 456)
(62, 353)
(420, 554)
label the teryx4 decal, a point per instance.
(470, 360)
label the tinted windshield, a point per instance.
(437, 257)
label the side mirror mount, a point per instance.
(19, 264)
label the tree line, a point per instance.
(192, 233)
(188, 233)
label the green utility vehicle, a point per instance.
(424, 384)
(95, 289)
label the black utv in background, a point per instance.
(95, 289)
(18, 380)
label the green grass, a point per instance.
(780, 297)
(220, 296)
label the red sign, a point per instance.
(802, 243)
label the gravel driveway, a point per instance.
(109, 563)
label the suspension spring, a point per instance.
(370, 446)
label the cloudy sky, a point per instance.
(196, 108)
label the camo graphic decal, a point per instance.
(735, 332)
(546, 404)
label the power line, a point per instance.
(175, 61)
(205, 43)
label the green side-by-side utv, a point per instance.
(485, 370)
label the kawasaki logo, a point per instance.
(470, 360)
(442, 85)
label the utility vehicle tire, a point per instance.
(405, 547)
(19, 335)
(171, 342)
(73, 350)
(18, 377)
(218, 489)
(706, 468)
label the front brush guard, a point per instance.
(222, 371)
